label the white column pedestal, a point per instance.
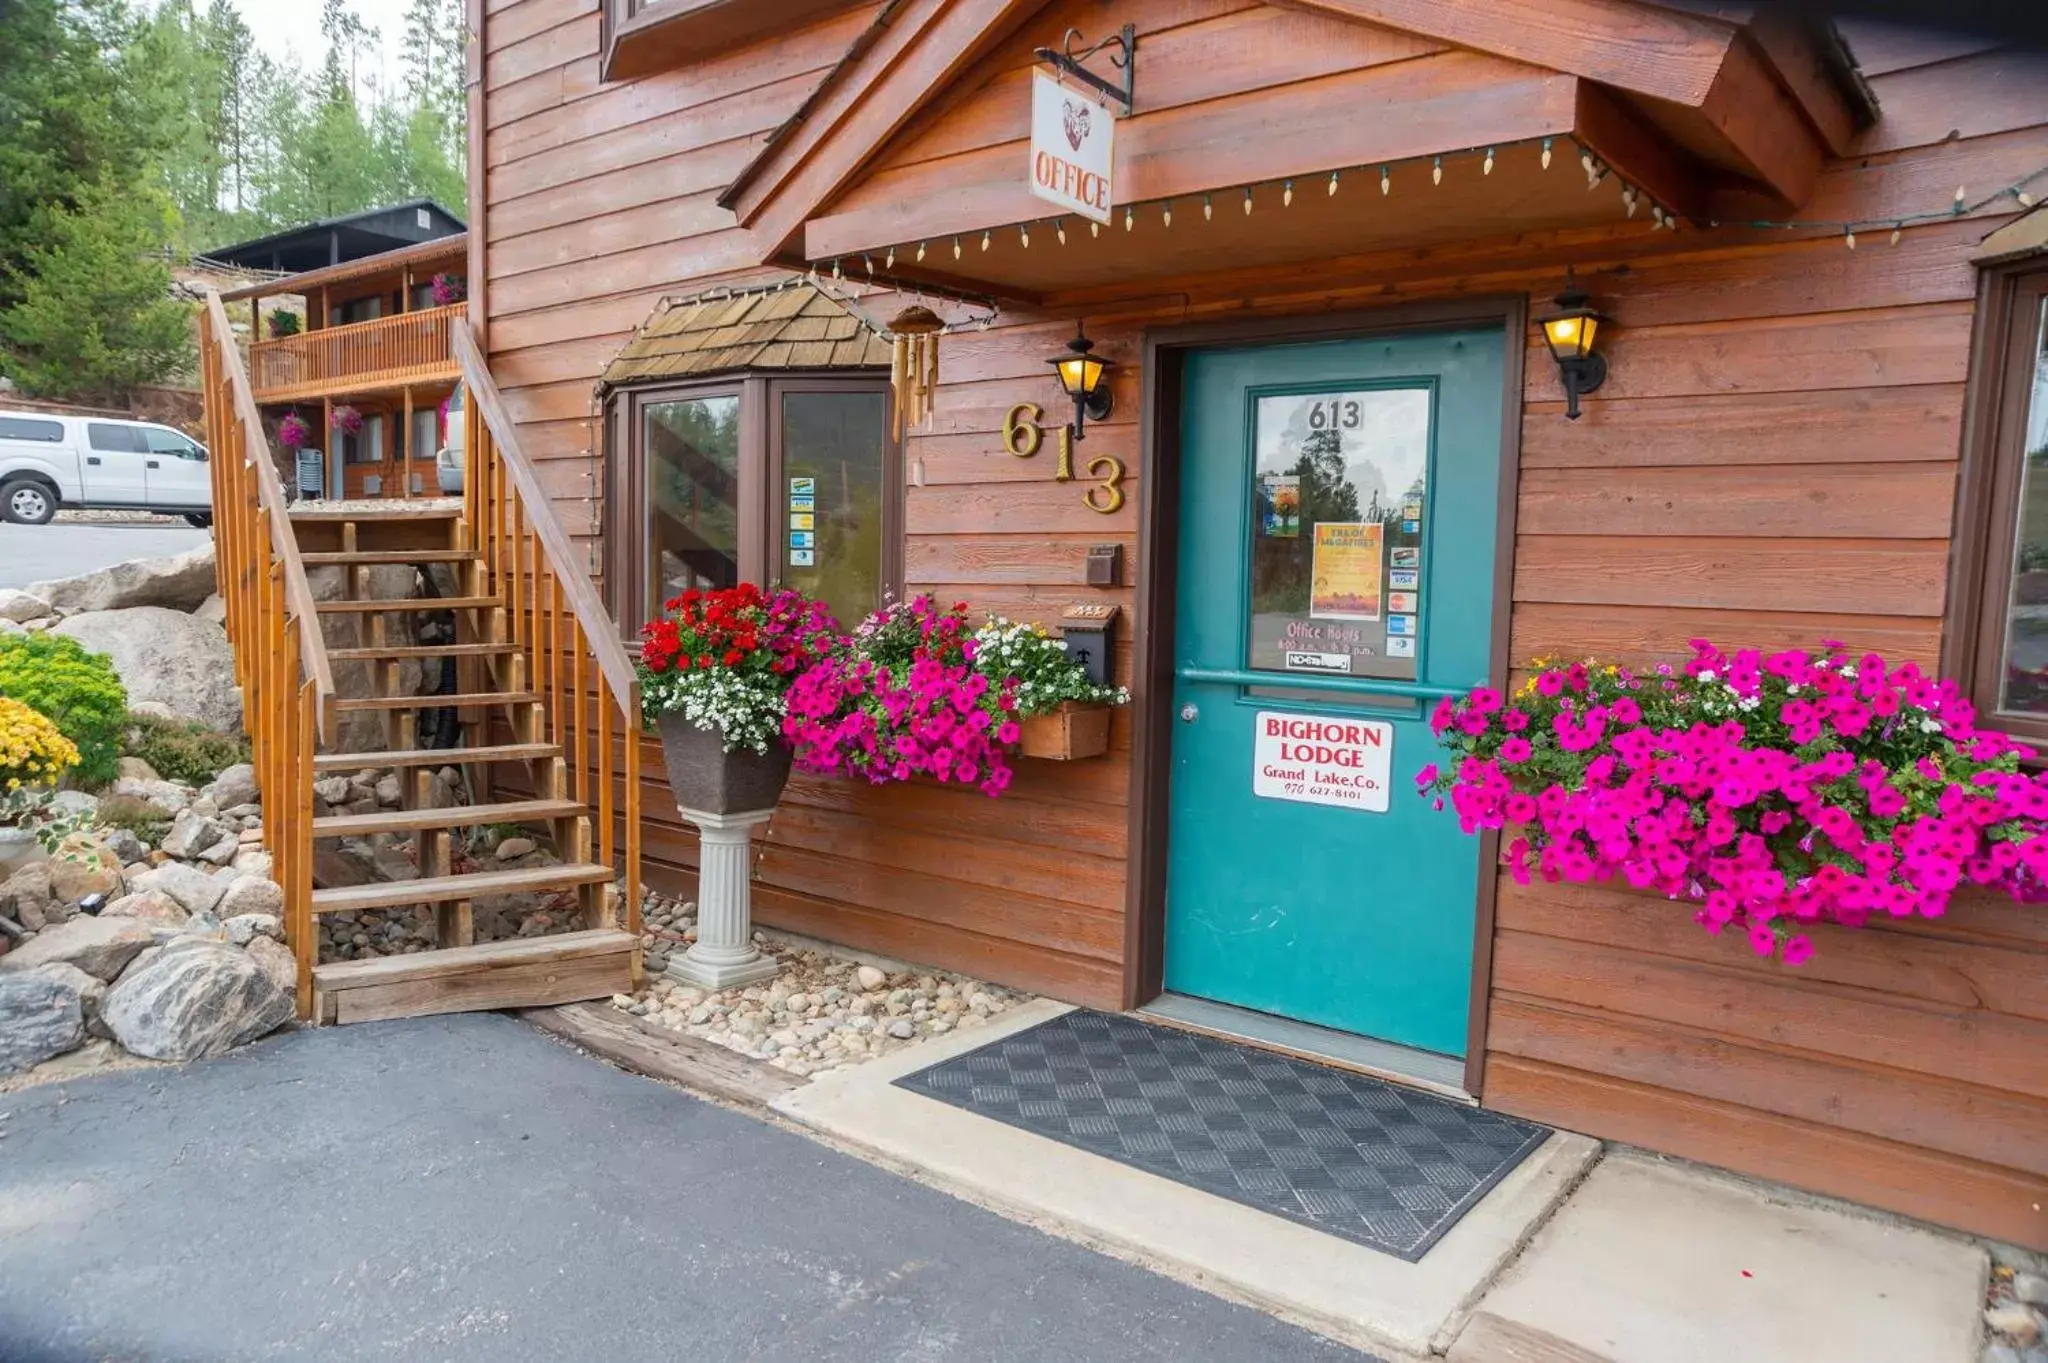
(724, 955)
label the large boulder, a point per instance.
(166, 797)
(101, 947)
(235, 786)
(29, 899)
(148, 906)
(40, 1016)
(193, 889)
(179, 584)
(190, 834)
(91, 992)
(166, 659)
(20, 606)
(277, 962)
(194, 999)
(251, 895)
(83, 865)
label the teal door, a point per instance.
(1338, 517)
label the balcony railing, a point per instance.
(408, 347)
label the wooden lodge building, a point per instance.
(1328, 231)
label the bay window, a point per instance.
(785, 481)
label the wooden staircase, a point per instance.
(544, 697)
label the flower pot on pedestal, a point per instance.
(726, 795)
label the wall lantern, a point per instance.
(1569, 333)
(1083, 376)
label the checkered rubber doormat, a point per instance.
(1383, 1166)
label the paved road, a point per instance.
(466, 1189)
(38, 553)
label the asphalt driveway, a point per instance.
(464, 1188)
(42, 553)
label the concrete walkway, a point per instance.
(1644, 1261)
(464, 1188)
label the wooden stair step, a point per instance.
(350, 558)
(449, 889)
(410, 603)
(394, 651)
(453, 700)
(434, 757)
(449, 816)
(399, 509)
(524, 972)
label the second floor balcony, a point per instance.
(357, 357)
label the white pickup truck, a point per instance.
(94, 463)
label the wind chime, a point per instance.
(914, 365)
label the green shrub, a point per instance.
(182, 749)
(77, 690)
(139, 817)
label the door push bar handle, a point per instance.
(1355, 686)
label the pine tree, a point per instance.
(94, 315)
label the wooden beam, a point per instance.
(1625, 140)
(1797, 57)
(1763, 126)
(917, 55)
(1660, 53)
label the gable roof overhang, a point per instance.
(1713, 110)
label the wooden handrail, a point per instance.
(273, 623)
(283, 540)
(588, 606)
(567, 647)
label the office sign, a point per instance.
(1073, 142)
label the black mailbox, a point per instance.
(1087, 631)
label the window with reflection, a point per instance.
(1996, 642)
(1340, 501)
(2023, 655)
(692, 451)
(834, 449)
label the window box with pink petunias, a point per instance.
(1771, 794)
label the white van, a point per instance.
(94, 463)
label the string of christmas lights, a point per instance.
(1634, 198)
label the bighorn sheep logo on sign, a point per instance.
(1077, 123)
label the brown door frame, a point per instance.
(1162, 351)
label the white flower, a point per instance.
(1706, 674)
(1930, 726)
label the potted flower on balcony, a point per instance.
(1770, 794)
(346, 419)
(714, 672)
(448, 289)
(283, 322)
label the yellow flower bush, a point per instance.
(32, 751)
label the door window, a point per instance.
(1340, 500)
(114, 438)
(163, 441)
(693, 488)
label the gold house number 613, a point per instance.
(1023, 435)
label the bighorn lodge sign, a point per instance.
(1323, 760)
(1073, 149)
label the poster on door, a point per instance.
(1344, 576)
(1323, 760)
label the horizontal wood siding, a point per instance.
(1771, 462)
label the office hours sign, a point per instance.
(1323, 760)
(1073, 149)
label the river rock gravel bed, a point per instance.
(823, 1012)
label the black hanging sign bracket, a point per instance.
(1068, 62)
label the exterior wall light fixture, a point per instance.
(1570, 332)
(1082, 375)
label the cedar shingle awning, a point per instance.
(799, 327)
